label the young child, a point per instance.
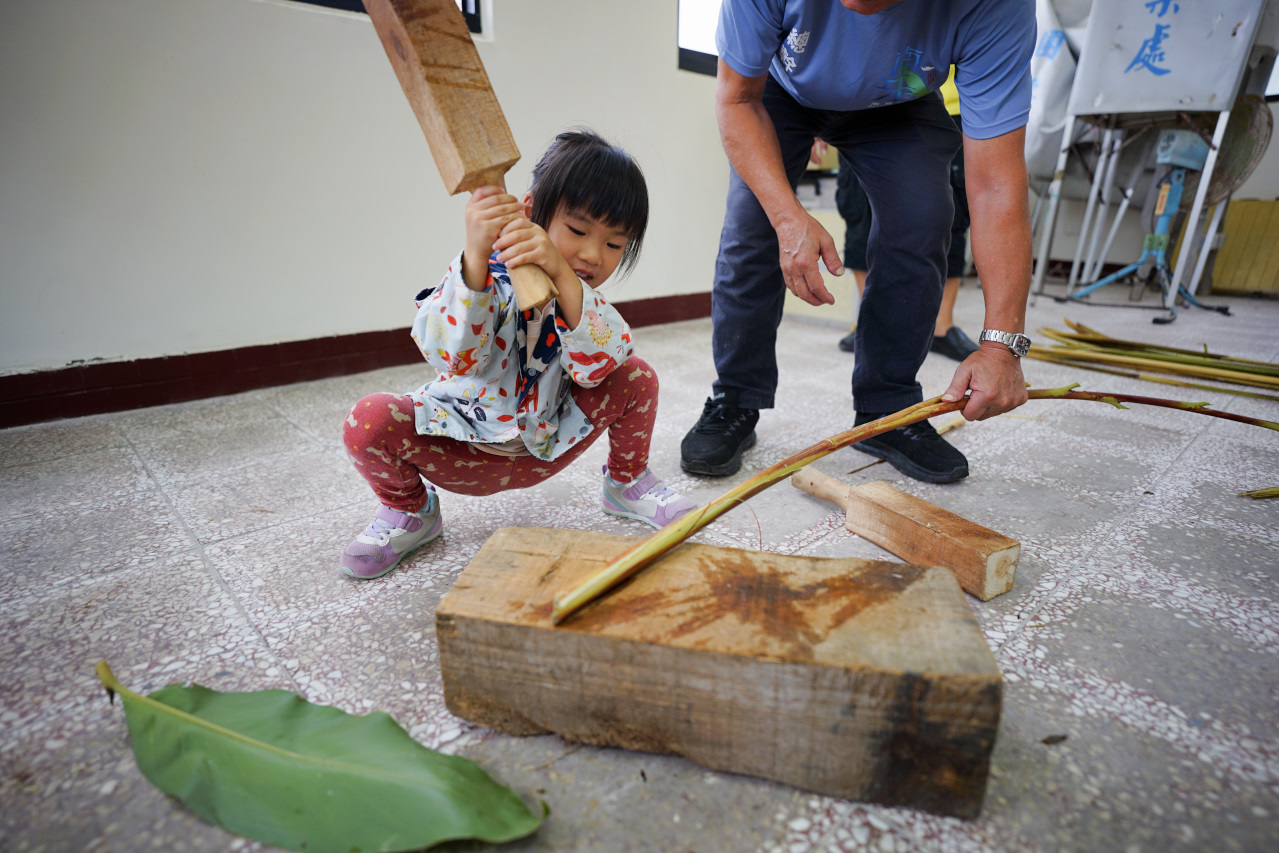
(520, 394)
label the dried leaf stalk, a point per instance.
(1089, 348)
(1160, 365)
(1074, 361)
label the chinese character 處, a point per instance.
(1151, 52)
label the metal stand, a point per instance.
(1094, 190)
(1155, 250)
(1050, 215)
(1192, 222)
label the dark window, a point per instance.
(470, 10)
(345, 5)
(696, 35)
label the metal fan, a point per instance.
(1247, 135)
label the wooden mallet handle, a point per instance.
(440, 70)
(818, 484)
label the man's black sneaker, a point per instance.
(916, 450)
(848, 343)
(954, 344)
(716, 442)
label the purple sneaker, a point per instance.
(390, 537)
(646, 499)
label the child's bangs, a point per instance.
(609, 188)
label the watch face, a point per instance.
(1020, 344)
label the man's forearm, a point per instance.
(750, 140)
(998, 203)
(1001, 251)
(752, 148)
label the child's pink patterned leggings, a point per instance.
(381, 439)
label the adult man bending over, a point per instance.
(862, 75)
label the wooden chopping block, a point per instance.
(440, 71)
(860, 679)
(984, 562)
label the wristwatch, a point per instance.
(1018, 343)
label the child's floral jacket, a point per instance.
(494, 385)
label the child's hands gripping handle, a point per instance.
(533, 288)
(489, 211)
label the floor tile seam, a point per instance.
(911, 829)
(827, 837)
(1067, 582)
(299, 426)
(1254, 620)
(126, 446)
(1176, 496)
(1157, 717)
(1113, 527)
(299, 451)
(199, 551)
(274, 524)
(123, 445)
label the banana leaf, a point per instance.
(275, 768)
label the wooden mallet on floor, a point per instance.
(984, 562)
(440, 71)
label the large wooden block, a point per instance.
(860, 679)
(984, 562)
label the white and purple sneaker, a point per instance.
(390, 537)
(647, 499)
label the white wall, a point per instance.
(192, 175)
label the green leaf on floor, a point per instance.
(275, 768)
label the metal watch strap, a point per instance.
(1018, 343)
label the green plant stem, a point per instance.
(1258, 494)
(1081, 361)
(669, 537)
(1110, 346)
(113, 686)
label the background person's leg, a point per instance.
(854, 209)
(948, 339)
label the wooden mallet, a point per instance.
(984, 562)
(439, 68)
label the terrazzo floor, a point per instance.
(198, 543)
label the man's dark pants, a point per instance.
(854, 209)
(901, 155)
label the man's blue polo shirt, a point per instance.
(831, 58)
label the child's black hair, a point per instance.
(583, 173)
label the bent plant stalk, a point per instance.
(669, 537)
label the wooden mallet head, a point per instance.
(440, 70)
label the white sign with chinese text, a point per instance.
(1160, 55)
